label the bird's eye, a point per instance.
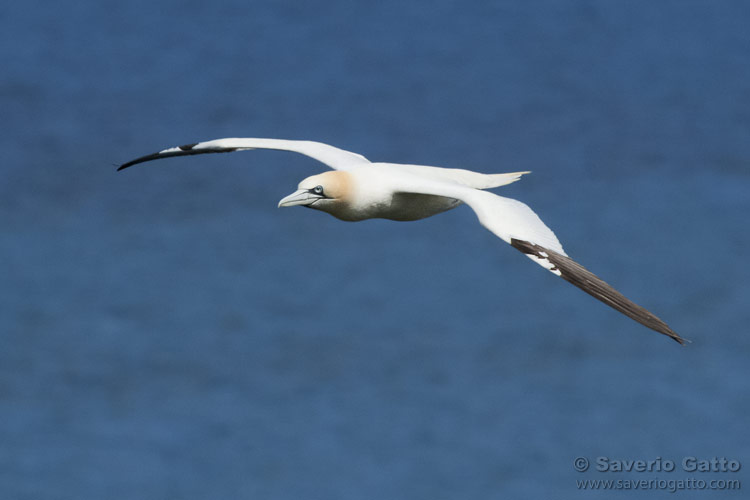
(318, 190)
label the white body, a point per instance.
(358, 189)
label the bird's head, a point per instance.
(330, 192)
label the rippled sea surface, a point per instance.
(167, 332)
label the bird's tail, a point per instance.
(497, 180)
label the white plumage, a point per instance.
(358, 189)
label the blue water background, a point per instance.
(167, 332)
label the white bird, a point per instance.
(358, 189)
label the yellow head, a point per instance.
(330, 192)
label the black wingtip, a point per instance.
(186, 150)
(673, 335)
(142, 159)
(590, 283)
(681, 340)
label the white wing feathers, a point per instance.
(515, 223)
(507, 218)
(510, 219)
(476, 180)
(337, 159)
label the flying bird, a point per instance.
(357, 189)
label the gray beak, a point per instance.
(299, 197)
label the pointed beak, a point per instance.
(299, 197)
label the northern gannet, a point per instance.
(357, 189)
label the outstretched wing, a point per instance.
(337, 159)
(515, 223)
(575, 273)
